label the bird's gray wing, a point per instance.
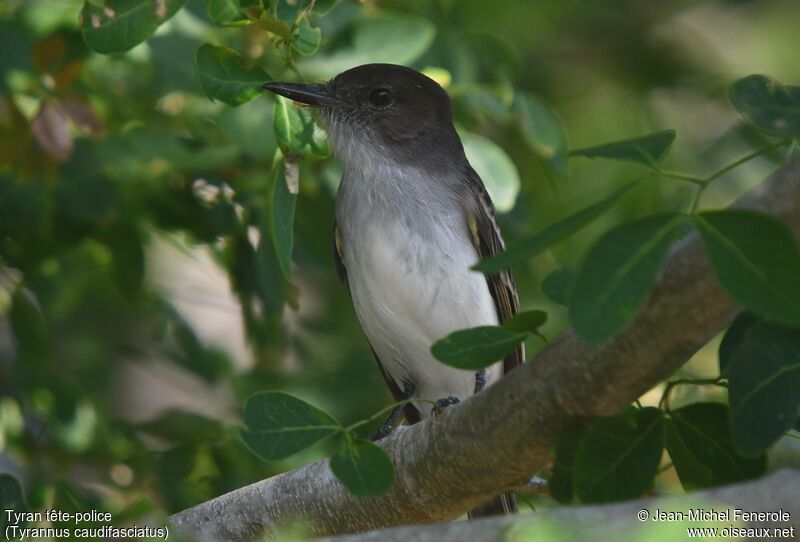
(486, 237)
(399, 394)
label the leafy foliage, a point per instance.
(757, 260)
(477, 347)
(128, 126)
(616, 275)
(618, 457)
(767, 104)
(279, 425)
(763, 380)
(699, 443)
(223, 75)
(363, 467)
(648, 150)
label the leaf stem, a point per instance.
(382, 412)
(681, 176)
(665, 397)
(758, 152)
(705, 182)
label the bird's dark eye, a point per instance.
(380, 97)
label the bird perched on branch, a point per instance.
(412, 218)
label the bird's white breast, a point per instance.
(408, 256)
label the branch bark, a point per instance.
(777, 491)
(500, 437)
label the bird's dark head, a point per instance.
(383, 108)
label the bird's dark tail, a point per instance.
(505, 503)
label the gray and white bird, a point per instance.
(412, 218)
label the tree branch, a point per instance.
(777, 491)
(500, 437)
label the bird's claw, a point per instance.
(440, 404)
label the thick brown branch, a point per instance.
(502, 436)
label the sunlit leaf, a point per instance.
(766, 104)
(289, 10)
(223, 11)
(700, 445)
(281, 204)
(363, 467)
(296, 130)
(495, 168)
(223, 75)
(279, 425)
(542, 131)
(307, 39)
(647, 150)
(615, 276)
(756, 259)
(618, 458)
(477, 347)
(118, 25)
(378, 36)
(535, 244)
(763, 384)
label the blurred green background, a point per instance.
(136, 314)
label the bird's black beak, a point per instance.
(308, 94)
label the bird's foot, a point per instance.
(480, 380)
(385, 430)
(395, 415)
(441, 404)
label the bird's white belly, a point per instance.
(409, 292)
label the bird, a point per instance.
(412, 217)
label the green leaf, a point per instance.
(289, 10)
(562, 482)
(756, 259)
(700, 445)
(11, 498)
(766, 104)
(495, 168)
(648, 150)
(223, 11)
(281, 205)
(29, 327)
(363, 467)
(618, 458)
(223, 75)
(618, 272)
(307, 38)
(542, 131)
(377, 36)
(733, 338)
(530, 247)
(477, 347)
(558, 285)
(297, 132)
(118, 25)
(183, 427)
(279, 425)
(763, 384)
(126, 245)
(526, 321)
